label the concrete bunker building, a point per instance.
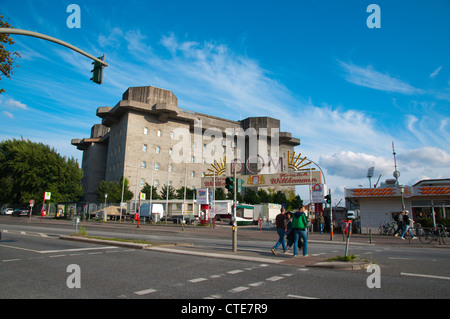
(137, 139)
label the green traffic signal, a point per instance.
(229, 183)
(97, 71)
(328, 199)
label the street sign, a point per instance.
(318, 192)
(47, 195)
(32, 202)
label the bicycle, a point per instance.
(387, 229)
(439, 233)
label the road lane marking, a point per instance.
(197, 280)
(424, 276)
(274, 278)
(75, 249)
(301, 297)
(8, 260)
(233, 272)
(145, 292)
(238, 289)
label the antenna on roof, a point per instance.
(370, 175)
(396, 173)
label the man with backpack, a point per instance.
(299, 227)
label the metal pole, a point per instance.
(331, 216)
(234, 210)
(52, 39)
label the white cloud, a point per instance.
(12, 104)
(425, 157)
(352, 165)
(8, 114)
(369, 77)
(435, 72)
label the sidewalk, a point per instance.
(177, 241)
(260, 255)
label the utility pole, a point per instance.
(99, 62)
(234, 210)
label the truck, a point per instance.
(266, 212)
(157, 212)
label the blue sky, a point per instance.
(346, 90)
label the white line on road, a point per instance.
(145, 292)
(274, 278)
(425, 276)
(238, 289)
(301, 297)
(75, 249)
(197, 280)
(233, 272)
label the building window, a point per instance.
(144, 148)
(158, 149)
(170, 167)
(156, 183)
(142, 182)
(193, 174)
(171, 135)
(170, 151)
(145, 130)
(170, 183)
(157, 166)
(143, 164)
(158, 133)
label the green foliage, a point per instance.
(150, 190)
(279, 197)
(28, 169)
(6, 58)
(114, 191)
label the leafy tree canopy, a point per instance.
(6, 58)
(28, 169)
(114, 191)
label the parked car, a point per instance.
(7, 211)
(21, 212)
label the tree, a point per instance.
(29, 169)
(147, 189)
(6, 58)
(114, 191)
(251, 197)
(220, 194)
(190, 193)
(163, 192)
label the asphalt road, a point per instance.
(35, 263)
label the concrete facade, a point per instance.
(148, 139)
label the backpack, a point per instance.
(300, 221)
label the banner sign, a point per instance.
(268, 180)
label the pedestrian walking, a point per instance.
(289, 232)
(399, 219)
(281, 223)
(299, 227)
(321, 222)
(407, 223)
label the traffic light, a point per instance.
(229, 184)
(239, 183)
(328, 199)
(97, 71)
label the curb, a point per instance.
(168, 248)
(120, 243)
(342, 265)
